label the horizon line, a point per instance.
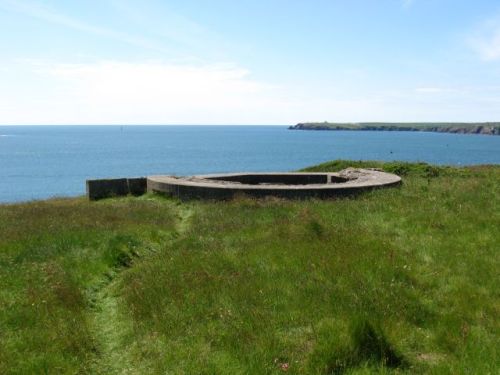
(301, 122)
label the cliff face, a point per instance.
(487, 128)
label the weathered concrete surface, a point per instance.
(137, 186)
(285, 185)
(116, 187)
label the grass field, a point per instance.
(491, 128)
(402, 280)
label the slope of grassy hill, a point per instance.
(488, 128)
(401, 280)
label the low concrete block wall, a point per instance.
(137, 186)
(115, 187)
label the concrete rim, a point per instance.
(215, 185)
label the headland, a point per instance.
(486, 128)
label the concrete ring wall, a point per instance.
(284, 185)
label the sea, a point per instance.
(39, 162)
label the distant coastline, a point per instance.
(487, 128)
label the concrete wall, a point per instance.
(286, 179)
(116, 187)
(285, 185)
(187, 192)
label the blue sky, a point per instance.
(248, 62)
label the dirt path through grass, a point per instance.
(109, 331)
(395, 281)
(111, 326)
(184, 213)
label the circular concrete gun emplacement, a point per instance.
(284, 185)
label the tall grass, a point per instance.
(53, 256)
(402, 280)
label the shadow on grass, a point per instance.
(122, 250)
(366, 345)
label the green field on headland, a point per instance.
(487, 128)
(400, 280)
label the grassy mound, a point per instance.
(401, 280)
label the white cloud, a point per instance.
(430, 90)
(122, 92)
(156, 92)
(114, 92)
(486, 40)
(441, 90)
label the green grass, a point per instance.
(452, 127)
(401, 280)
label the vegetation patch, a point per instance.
(392, 281)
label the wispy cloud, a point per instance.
(147, 92)
(430, 90)
(441, 90)
(485, 41)
(157, 92)
(159, 20)
(407, 3)
(36, 10)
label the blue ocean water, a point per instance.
(39, 162)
